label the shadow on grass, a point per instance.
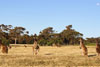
(91, 55)
(49, 54)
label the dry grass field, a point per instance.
(48, 56)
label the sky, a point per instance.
(36, 15)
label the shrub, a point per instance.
(5, 41)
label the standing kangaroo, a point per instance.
(97, 47)
(35, 47)
(4, 48)
(83, 48)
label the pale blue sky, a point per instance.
(35, 15)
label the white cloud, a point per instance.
(98, 4)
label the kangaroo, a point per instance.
(4, 48)
(83, 47)
(97, 47)
(35, 47)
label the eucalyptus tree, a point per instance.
(16, 33)
(70, 35)
(4, 30)
(45, 35)
(4, 33)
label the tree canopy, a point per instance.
(48, 36)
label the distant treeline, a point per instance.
(48, 36)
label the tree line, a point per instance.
(48, 36)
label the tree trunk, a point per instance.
(15, 41)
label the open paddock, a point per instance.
(49, 56)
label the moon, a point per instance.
(98, 4)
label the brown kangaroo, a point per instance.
(83, 47)
(97, 47)
(35, 47)
(3, 47)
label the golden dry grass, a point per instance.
(48, 56)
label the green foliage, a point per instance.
(57, 40)
(49, 43)
(42, 42)
(5, 41)
(47, 36)
(90, 44)
(70, 36)
(67, 36)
